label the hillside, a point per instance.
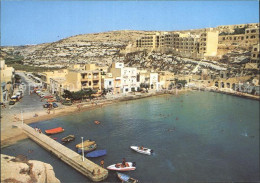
(104, 48)
(99, 48)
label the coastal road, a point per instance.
(29, 105)
(29, 102)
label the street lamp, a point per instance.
(82, 149)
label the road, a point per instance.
(29, 104)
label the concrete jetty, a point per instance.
(88, 168)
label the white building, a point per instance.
(154, 81)
(128, 79)
(126, 75)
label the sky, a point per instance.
(35, 22)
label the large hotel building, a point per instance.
(201, 43)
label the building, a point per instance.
(197, 45)
(108, 83)
(126, 75)
(166, 79)
(255, 58)
(84, 78)
(231, 28)
(208, 44)
(46, 76)
(6, 79)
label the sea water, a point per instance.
(197, 136)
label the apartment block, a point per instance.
(125, 76)
(231, 28)
(208, 44)
(246, 40)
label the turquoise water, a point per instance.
(198, 136)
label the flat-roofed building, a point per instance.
(255, 58)
(208, 44)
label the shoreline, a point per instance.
(18, 135)
(236, 94)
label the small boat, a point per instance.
(119, 167)
(126, 178)
(54, 131)
(88, 148)
(96, 153)
(97, 122)
(142, 150)
(68, 138)
(85, 143)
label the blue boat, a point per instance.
(126, 178)
(96, 153)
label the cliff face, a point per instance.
(20, 170)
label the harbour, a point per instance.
(195, 136)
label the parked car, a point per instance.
(14, 97)
(55, 105)
(11, 102)
(47, 105)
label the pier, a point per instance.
(88, 168)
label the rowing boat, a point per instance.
(96, 153)
(68, 138)
(85, 143)
(88, 148)
(54, 131)
(126, 178)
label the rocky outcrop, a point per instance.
(20, 170)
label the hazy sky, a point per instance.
(34, 22)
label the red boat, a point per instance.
(48, 96)
(54, 131)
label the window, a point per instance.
(110, 83)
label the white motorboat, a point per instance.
(142, 150)
(119, 167)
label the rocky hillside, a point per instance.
(103, 48)
(19, 169)
(99, 48)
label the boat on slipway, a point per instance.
(120, 167)
(142, 150)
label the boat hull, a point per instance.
(68, 138)
(87, 149)
(126, 178)
(144, 151)
(54, 131)
(86, 143)
(97, 153)
(118, 167)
